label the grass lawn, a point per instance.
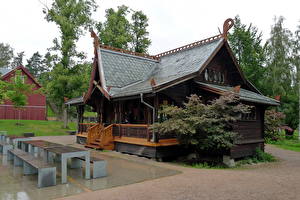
(40, 128)
(293, 145)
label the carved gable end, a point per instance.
(222, 70)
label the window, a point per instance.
(251, 116)
(211, 75)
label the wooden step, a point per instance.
(92, 146)
(95, 143)
(97, 140)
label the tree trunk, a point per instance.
(55, 109)
(65, 116)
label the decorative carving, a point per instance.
(96, 39)
(188, 46)
(237, 89)
(152, 82)
(227, 26)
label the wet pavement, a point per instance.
(13, 185)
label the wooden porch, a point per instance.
(129, 138)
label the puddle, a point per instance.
(15, 186)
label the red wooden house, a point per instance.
(36, 107)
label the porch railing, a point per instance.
(93, 133)
(83, 127)
(132, 130)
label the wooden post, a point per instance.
(156, 104)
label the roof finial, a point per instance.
(96, 39)
(226, 26)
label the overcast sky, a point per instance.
(172, 23)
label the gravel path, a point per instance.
(280, 180)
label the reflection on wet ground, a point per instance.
(13, 185)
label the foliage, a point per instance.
(117, 31)
(246, 44)
(6, 54)
(72, 17)
(38, 127)
(279, 67)
(258, 157)
(36, 65)
(203, 127)
(18, 60)
(273, 121)
(65, 80)
(68, 82)
(3, 91)
(18, 90)
(140, 41)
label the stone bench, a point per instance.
(32, 165)
(99, 166)
(4, 147)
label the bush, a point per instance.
(203, 127)
(258, 157)
(273, 121)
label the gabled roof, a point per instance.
(171, 67)
(121, 69)
(4, 71)
(128, 73)
(7, 71)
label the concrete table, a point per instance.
(34, 146)
(66, 152)
(4, 147)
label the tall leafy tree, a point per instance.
(278, 63)
(245, 41)
(36, 65)
(115, 31)
(18, 60)
(6, 54)
(280, 70)
(72, 17)
(140, 40)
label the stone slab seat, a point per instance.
(4, 147)
(32, 165)
(99, 166)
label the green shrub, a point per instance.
(261, 156)
(203, 127)
(273, 121)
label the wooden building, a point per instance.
(36, 107)
(127, 89)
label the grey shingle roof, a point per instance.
(129, 75)
(121, 69)
(75, 101)
(4, 71)
(245, 95)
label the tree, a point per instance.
(72, 17)
(6, 54)
(140, 41)
(17, 91)
(36, 65)
(273, 121)
(3, 91)
(203, 127)
(245, 41)
(18, 60)
(279, 67)
(115, 31)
